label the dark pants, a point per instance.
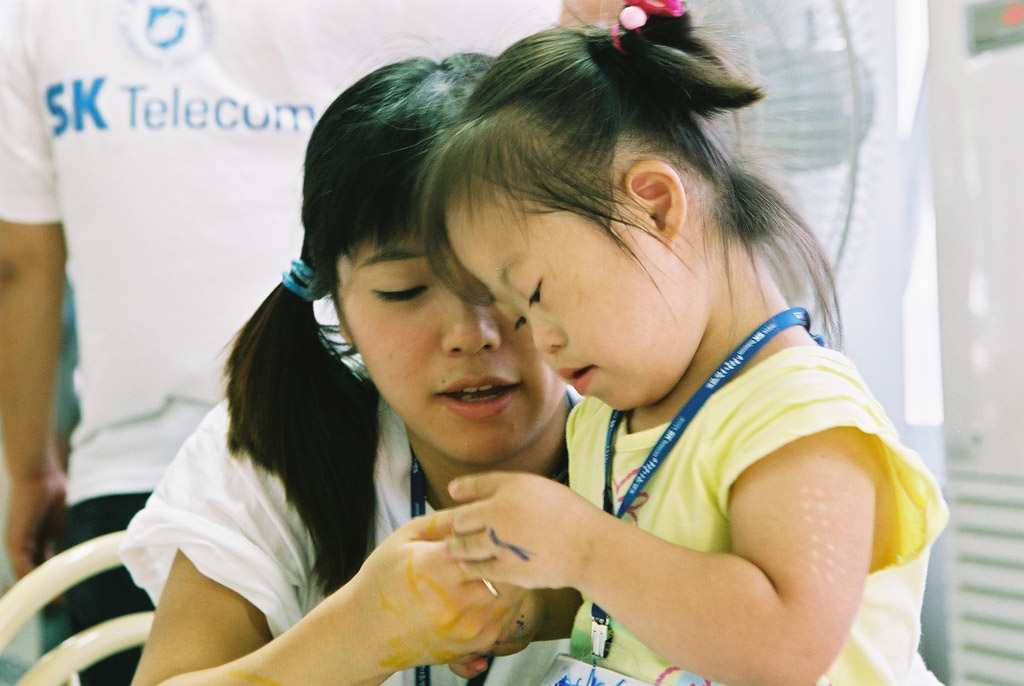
(110, 594)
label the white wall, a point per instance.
(976, 109)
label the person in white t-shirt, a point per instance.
(154, 149)
(254, 545)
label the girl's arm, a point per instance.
(776, 610)
(408, 605)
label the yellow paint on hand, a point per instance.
(407, 652)
(441, 593)
(432, 524)
(252, 678)
(442, 656)
(403, 653)
(410, 574)
(384, 604)
(399, 661)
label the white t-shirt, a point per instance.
(168, 137)
(233, 522)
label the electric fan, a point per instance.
(814, 124)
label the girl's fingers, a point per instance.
(476, 486)
(471, 547)
(485, 569)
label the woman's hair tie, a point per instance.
(299, 280)
(634, 16)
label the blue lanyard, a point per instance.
(423, 675)
(418, 506)
(792, 317)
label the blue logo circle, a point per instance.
(166, 33)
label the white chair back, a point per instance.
(47, 582)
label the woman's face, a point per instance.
(471, 390)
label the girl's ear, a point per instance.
(658, 191)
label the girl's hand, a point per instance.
(520, 529)
(429, 611)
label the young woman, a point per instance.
(255, 544)
(744, 512)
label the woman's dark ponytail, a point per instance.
(300, 411)
(300, 406)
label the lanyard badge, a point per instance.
(600, 636)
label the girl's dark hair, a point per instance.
(299, 404)
(545, 123)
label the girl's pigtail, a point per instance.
(690, 72)
(682, 80)
(298, 409)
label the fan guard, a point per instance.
(814, 124)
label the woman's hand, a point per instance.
(409, 604)
(427, 610)
(518, 634)
(520, 529)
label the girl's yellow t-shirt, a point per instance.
(796, 392)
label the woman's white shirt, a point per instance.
(234, 523)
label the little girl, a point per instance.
(744, 512)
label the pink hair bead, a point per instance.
(632, 18)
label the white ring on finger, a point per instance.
(491, 588)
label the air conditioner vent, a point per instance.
(987, 575)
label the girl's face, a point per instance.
(471, 390)
(619, 328)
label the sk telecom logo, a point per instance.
(165, 33)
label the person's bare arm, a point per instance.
(206, 634)
(409, 604)
(32, 259)
(198, 624)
